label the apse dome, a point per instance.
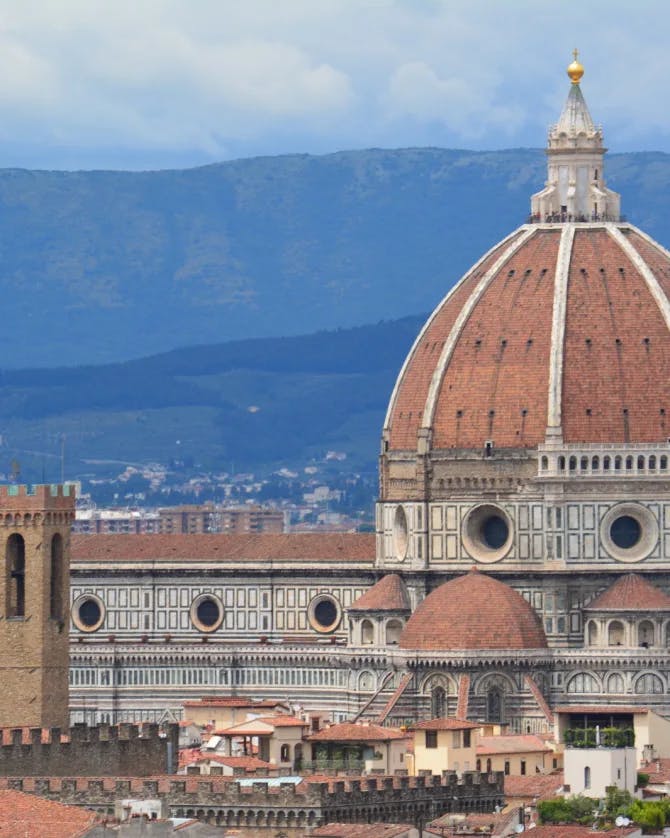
(474, 612)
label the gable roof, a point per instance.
(631, 593)
(388, 594)
(350, 732)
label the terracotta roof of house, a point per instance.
(574, 831)
(388, 594)
(250, 725)
(608, 709)
(233, 701)
(349, 732)
(533, 786)
(523, 743)
(494, 824)
(230, 548)
(29, 816)
(444, 724)
(248, 763)
(658, 770)
(631, 593)
(477, 612)
(362, 830)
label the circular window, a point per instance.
(207, 612)
(88, 612)
(487, 533)
(629, 532)
(625, 531)
(324, 613)
(400, 533)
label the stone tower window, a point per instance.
(367, 633)
(15, 562)
(56, 578)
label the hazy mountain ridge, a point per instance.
(99, 266)
(263, 403)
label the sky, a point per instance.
(149, 84)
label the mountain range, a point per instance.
(99, 267)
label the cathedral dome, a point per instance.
(561, 332)
(473, 612)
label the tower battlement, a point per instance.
(48, 497)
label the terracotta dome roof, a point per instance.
(561, 325)
(474, 612)
(389, 594)
(631, 593)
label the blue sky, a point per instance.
(171, 83)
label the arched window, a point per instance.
(615, 683)
(573, 463)
(56, 580)
(629, 463)
(583, 682)
(664, 463)
(595, 463)
(488, 765)
(645, 634)
(584, 463)
(393, 630)
(561, 463)
(544, 463)
(15, 562)
(617, 463)
(615, 633)
(366, 681)
(587, 777)
(285, 753)
(494, 705)
(438, 703)
(648, 684)
(640, 463)
(592, 633)
(367, 633)
(652, 463)
(606, 463)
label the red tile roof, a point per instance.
(490, 824)
(362, 830)
(28, 816)
(233, 701)
(631, 593)
(444, 724)
(245, 547)
(520, 744)
(247, 763)
(388, 594)
(533, 786)
(574, 831)
(476, 612)
(658, 770)
(349, 732)
(607, 709)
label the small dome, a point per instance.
(473, 612)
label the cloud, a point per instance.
(222, 77)
(416, 91)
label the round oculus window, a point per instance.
(495, 532)
(625, 531)
(487, 533)
(629, 532)
(88, 612)
(206, 612)
(324, 613)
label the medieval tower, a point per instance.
(34, 612)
